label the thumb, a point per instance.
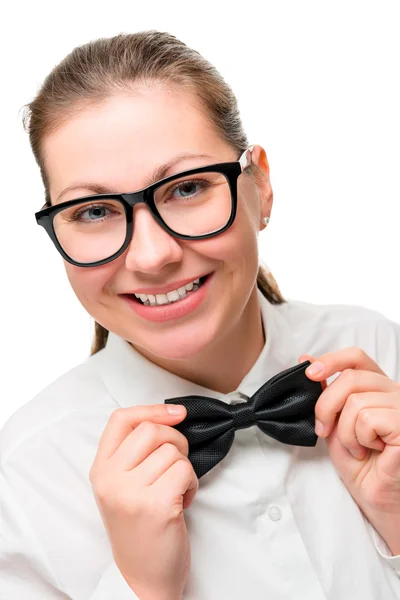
(312, 359)
(305, 357)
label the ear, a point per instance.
(259, 158)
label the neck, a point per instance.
(223, 366)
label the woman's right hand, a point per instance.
(142, 480)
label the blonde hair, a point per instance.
(94, 71)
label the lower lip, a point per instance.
(176, 310)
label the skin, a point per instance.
(359, 416)
(119, 143)
(141, 477)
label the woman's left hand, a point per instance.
(360, 415)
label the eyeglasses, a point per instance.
(191, 205)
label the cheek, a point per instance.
(238, 244)
(243, 236)
(88, 283)
(248, 210)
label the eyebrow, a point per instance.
(159, 173)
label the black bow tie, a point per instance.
(283, 408)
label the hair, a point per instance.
(93, 72)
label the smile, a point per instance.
(172, 296)
(174, 304)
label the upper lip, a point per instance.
(164, 289)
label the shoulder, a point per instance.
(333, 315)
(330, 327)
(78, 391)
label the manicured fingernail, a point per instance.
(319, 428)
(315, 369)
(175, 409)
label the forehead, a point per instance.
(121, 140)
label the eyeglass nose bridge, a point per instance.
(134, 198)
(145, 197)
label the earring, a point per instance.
(265, 220)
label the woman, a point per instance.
(103, 495)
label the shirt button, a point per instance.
(274, 513)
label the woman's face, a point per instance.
(119, 143)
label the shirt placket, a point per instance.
(273, 516)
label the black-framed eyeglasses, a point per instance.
(191, 205)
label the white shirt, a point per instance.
(270, 521)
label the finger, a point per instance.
(142, 441)
(378, 424)
(346, 358)
(346, 428)
(310, 358)
(179, 480)
(124, 420)
(189, 495)
(343, 460)
(305, 357)
(388, 463)
(334, 397)
(155, 465)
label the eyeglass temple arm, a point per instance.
(245, 159)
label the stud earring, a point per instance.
(265, 220)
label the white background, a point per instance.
(318, 87)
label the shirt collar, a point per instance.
(132, 379)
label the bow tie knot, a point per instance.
(243, 415)
(283, 408)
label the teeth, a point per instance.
(182, 292)
(161, 299)
(173, 296)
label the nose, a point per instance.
(151, 247)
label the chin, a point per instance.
(177, 345)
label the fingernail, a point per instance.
(319, 428)
(175, 409)
(315, 369)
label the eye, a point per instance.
(95, 212)
(90, 213)
(183, 190)
(187, 188)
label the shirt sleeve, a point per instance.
(25, 571)
(384, 551)
(113, 585)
